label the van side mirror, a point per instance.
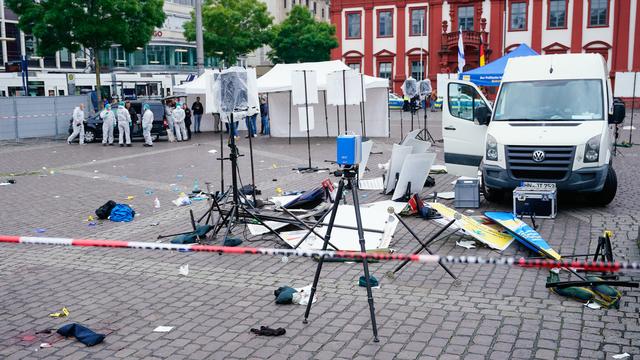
(619, 112)
(482, 115)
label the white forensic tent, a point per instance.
(277, 83)
(202, 86)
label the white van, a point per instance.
(553, 122)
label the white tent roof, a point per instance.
(198, 86)
(279, 78)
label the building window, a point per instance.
(598, 13)
(307, 4)
(418, 22)
(417, 69)
(557, 14)
(65, 58)
(465, 18)
(14, 52)
(353, 25)
(518, 16)
(384, 70)
(385, 23)
(355, 66)
(284, 3)
(322, 12)
(315, 8)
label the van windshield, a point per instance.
(550, 100)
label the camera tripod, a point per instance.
(348, 175)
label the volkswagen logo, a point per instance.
(538, 156)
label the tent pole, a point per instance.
(388, 115)
(326, 116)
(338, 118)
(290, 100)
(363, 108)
(344, 95)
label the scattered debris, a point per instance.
(155, 224)
(40, 231)
(213, 151)
(163, 329)
(179, 177)
(593, 305)
(148, 191)
(45, 345)
(267, 331)
(371, 184)
(63, 313)
(372, 280)
(621, 356)
(182, 200)
(8, 182)
(467, 244)
(438, 169)
(184, 270)
(445, 195)
(83, 334)
(156, 203)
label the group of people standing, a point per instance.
(179, 116)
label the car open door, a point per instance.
(465, 116)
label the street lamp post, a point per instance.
(199, 40)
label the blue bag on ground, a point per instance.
(122, 213)
(83, 334)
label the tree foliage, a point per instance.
(301, 38)
(95, 24)
(232, 28)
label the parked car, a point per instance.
(93, 125)
(395, 102)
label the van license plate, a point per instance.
(540, 186)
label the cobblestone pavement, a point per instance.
(495, 312)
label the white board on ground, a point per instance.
(302, 118)
(410, 135)
(366, 151)
(418, 146)
(371, 184)
(415, 171)
(398, 154)
(373, 218)
(298, 87)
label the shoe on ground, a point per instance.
(128, 145)
(68, 142)
(121, 145)
(111, 144)
(105, 144)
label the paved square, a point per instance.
(496, 312)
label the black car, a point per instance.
(93, 125)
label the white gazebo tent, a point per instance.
(329, 119)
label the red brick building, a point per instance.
(396, 38)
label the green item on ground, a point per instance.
(604, 295)
(284, 295)
(192, 237)
(232, 241)
(372, 280)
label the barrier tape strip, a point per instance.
(598, 266)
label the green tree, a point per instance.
(93, 24)
(300, 38)
(232, 28)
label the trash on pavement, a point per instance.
(163, 329)
(63, 313)
(621, 356)
(122, 213)
(45, 345)
(467, 244)
(184, 270)
(40, 231)
(156, 203)
(372, 280)
(182, 200)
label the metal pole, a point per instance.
(633, 105)
(199, 38)
(326, 116)
(290, 100)
(344, 94)
(15, 117)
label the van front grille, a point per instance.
(555, 165)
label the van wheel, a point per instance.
(492, 195)
(608, 192)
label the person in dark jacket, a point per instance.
(198, 110)
(264, 116)
(134, 116)
(187, 119)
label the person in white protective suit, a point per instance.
(124, 124)
(168, 113)
(147, 124)
(78, 124)
(108, 123)
(178, 123)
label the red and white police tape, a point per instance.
(352, 255)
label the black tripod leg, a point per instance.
(365, 264)
(313, 227)
(327, 236)
(423, 246)
(310, 229)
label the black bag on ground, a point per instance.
(104, 211)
